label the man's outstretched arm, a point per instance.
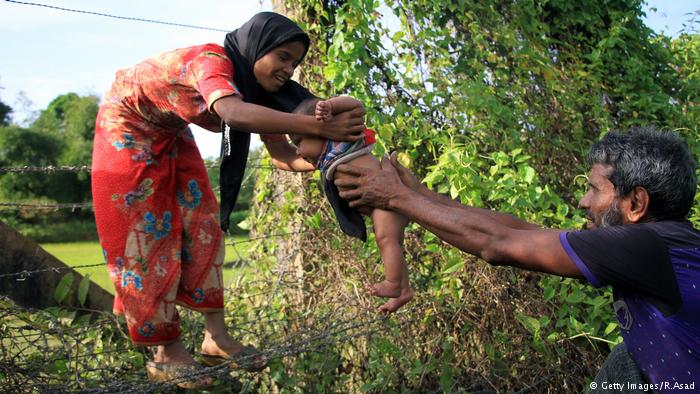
(497, 238)
(410, 180)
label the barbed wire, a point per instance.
(81, 205)
(34, 352)
(108, 319)
(308, 336)
(88, 168)
(73, 206)
(24, 274)
(237, 293)
(46, 207)
(46, 169)
(118, 16)
(340, 324)
(263, 237)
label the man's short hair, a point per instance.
(659, 161)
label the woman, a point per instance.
(155, 210)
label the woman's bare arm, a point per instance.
(346, 126)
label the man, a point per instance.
(641, 188)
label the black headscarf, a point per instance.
(244, 46)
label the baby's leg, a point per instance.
(388, 229)
(324, 110)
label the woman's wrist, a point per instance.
(311, 127)
(317, 128)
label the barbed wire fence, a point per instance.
(38, 345)
(69, 349)
(78, 169)
(73, 206)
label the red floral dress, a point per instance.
(157, 216)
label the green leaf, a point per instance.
(63, 287)
(610, 328)
(548, 293)
(433, 248)
(453, 267)
(454, 192)
(314, 221)
(83, 289)
(529, 174)
(532, 324)
(83, 320)
(59, 367)
(576, 297)
(244, 225)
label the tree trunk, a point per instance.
(36, 289)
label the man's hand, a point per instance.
(373, 187)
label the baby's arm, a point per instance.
(325, 109)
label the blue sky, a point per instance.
(47, 52)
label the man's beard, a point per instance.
(611, 217)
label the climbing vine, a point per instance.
(494, 103)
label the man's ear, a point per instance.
(638, 204)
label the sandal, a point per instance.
(177, 373)
(249, 359)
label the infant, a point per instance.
(389, 226)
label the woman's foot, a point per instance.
(217, 340)
(172, 362)
(186, 376)
(221, 345)
(224, 349)
(386, 289)
(394, 304)
(173, 353)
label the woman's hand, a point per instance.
(344, 126)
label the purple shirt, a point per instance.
(654, 269)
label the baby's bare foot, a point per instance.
(323, 111)
(385, 289)
(396, 303)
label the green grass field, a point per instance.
(78, 254)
